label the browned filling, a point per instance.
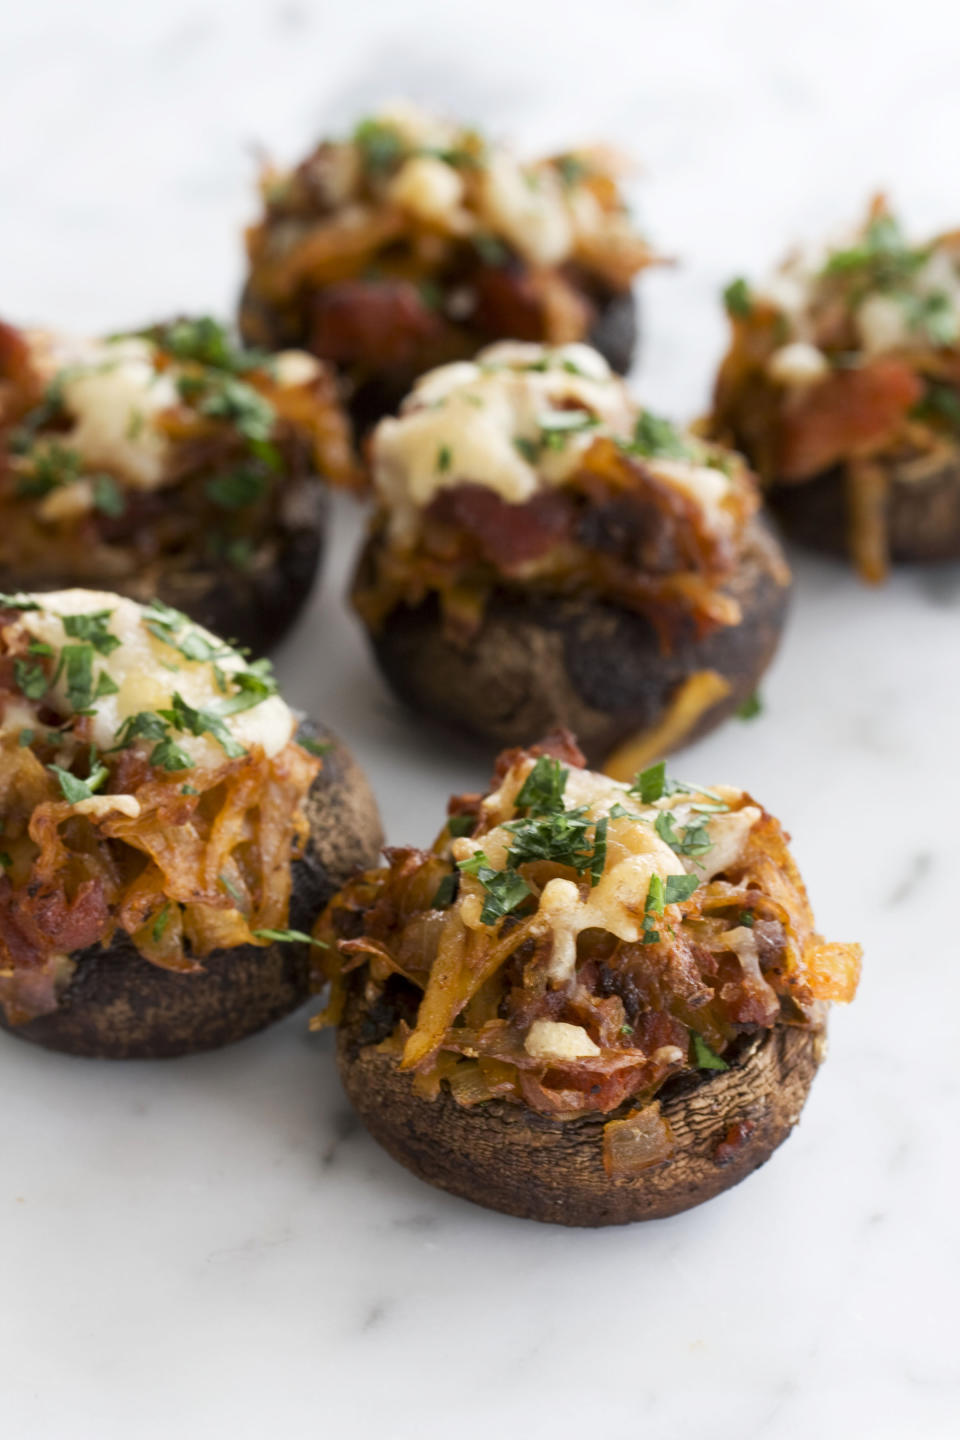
(203, 866)
(222, 501)
(613, 530)
(454, 1002)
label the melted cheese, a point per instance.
(528, 208)
(555, 1040)
(635, 854)
(484, 423)
(147, 672)
(116, 400)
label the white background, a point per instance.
(210, 1247)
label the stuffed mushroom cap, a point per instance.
(415, 241)
(170, 832)
(546, 552)
(171, 463)
(591, 1001)
(842, 387)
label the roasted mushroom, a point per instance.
(545, 552)
(842, 387)
(169, 463)
(590, 1002)
(415, 241)
(167, 838)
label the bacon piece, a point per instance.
(852, 412)
(376, 324)
(505, 535)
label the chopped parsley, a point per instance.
(880, 260)
(189, 720)
(751, 707)
(32, 680)
(694, 840)
(529, 449)
(504, 889)
(542, 791)
(206, 342)
(92, 628)
(654, 783)
(73, 789)
(446, 892)
(573, 169)
(236, 489)
(53, 466)
(461, 825)
(705, 1058)
(25, 738)
(380, 144)
(556, 426)
(231, 889)
(287, 937)
(654, 436)
(315, 747)
(160, 924)
(223, 397)
(444, 459)
(108, 498)
(747, 917)
(737, 298)
(167, 755)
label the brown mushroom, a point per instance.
(720, 1127)
(117, 1005)
(539, 660)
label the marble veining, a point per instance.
(213, 1247)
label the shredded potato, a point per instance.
(732, 954)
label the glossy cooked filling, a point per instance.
(849, 359)
(149, 783)
(172, 450)
(416, 240)
(533, 469)
(572, 943)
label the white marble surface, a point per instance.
(211, 1247)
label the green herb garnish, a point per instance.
(704, 1057)
(655, 436)
(288, 937)
(74, 790)
(737, 298)
(751, 707)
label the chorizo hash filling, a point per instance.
(150, 783)
(125, 458)
(532, 467)
(571, 943)
(415, 241)
(849, 360)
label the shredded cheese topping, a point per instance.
(118, 400)
(518, 419)
(635, 853)
(144, 661)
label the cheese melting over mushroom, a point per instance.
(635, 853)
(147, 671)
(516, 420)
(117, 400)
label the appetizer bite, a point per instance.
(416, 241)
(590, 1002)
(545, 552)
(842, 388)
(169, 463)
(167, 833)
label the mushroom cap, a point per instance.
(507, 1157)
(117, 1005)
(542, 660)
